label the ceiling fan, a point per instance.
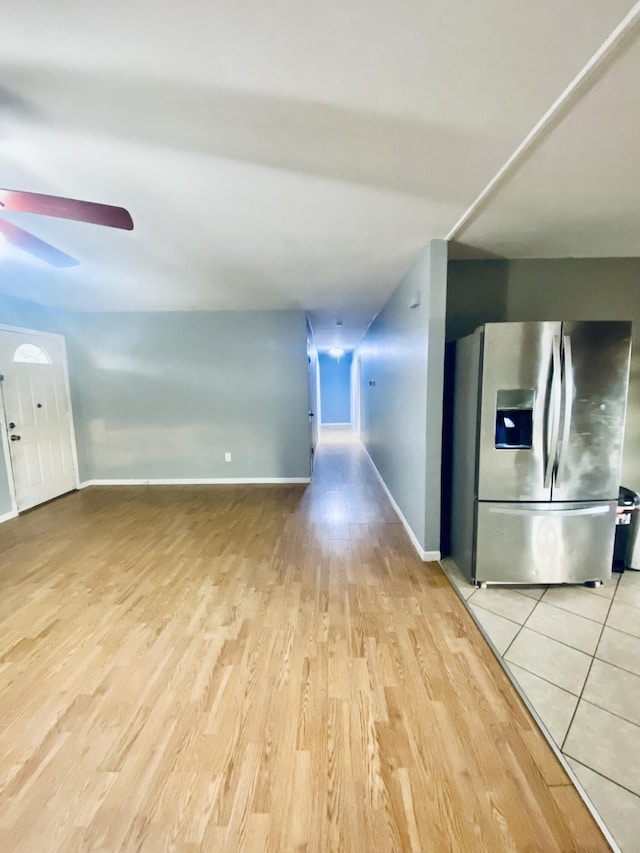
(64, 208)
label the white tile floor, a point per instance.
(575, 653)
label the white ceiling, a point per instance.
(292, 155)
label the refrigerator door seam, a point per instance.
(567, 387)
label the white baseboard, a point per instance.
(431, 556)
(202, 481)
(8, 516)
(426, 556)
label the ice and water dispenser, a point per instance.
(514, 418)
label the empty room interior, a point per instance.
(259, 588)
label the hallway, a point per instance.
(265, 668)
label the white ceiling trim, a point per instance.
(610, 47)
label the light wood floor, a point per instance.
(261, 668)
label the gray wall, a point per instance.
(164, 395)
(568, 288)
(476, 294)
(402, 353)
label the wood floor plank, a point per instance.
(259, 668)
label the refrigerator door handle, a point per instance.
(567, 389)
(555, 403)
(551, 512)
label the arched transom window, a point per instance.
(31, 354)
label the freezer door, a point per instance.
(517, 397)
(595, 367)
(544, 543)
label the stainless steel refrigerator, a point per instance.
(538, 425)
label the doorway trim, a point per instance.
(356, 395)
(13, 512)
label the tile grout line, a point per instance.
(556, 640)
(573, 612)
(522, 626)
(542, 678)
(493, 613)
(617, 665)
(613, 714)
(584, 684)
(603, 776)
(557, 607)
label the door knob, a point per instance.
(14, 437)
(12, 425)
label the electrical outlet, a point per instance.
(227, 457)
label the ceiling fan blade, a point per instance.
(66, 208)
(35, 246)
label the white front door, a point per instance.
(37, 416)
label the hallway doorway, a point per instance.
(335, 369)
